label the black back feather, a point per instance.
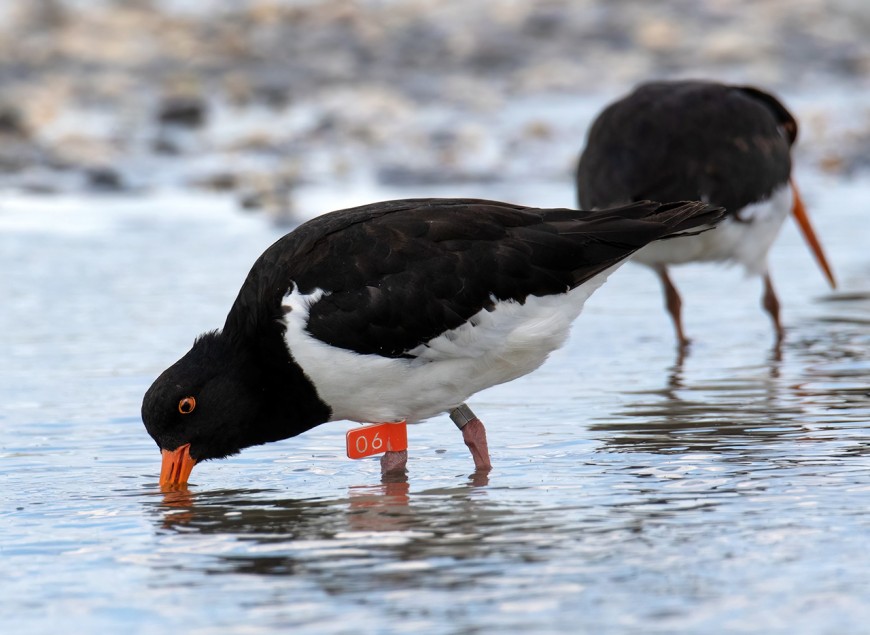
(687, 140)
(397, 274)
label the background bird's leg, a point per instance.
(474, 435)
(771, 304)
(674, 305)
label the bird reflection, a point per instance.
(281, 534)
(677, 371)
(702, 415)
(240, 512)
(379, 507)
(818, 371)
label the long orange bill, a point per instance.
(177, 465)
(803, 221)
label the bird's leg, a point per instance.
(394, 462)
(474, 435)
(674, 305)
(771, 304)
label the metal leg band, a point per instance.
(461, 415)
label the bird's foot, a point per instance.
(684, 345)
(474, 435)
(394, 462)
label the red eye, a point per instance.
(186, 405)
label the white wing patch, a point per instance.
(745, 241)
(493, 347)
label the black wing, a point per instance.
(399, 273)
(671, 141)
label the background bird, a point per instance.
(726, 145)
(394, 311)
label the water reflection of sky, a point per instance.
(632, 491)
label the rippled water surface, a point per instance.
(633, 491)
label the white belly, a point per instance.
(492, 348)
(746, 243)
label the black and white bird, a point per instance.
(695, 140)
(395, 311)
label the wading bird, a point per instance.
(693, 140)
(395, 311)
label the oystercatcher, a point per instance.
(695, 140)
(395, 311)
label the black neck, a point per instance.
(291, 404)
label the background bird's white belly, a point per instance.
(746, 241)
(491, 348)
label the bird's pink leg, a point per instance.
(771, 304)
(474, 435)
(674, 305)
(394, 462)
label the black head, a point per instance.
(209, 399)
(224, 395)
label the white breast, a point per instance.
(491, 348)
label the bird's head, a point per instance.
(207, 405)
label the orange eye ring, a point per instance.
(186, 405)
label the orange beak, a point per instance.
(177, 465)
(803, 221)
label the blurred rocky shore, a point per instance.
(255, 97)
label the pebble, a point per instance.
(393, 91)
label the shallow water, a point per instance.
(632, 492)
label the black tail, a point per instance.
(604, 238)
(673, 218)
(640, 223)
(683, 216)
